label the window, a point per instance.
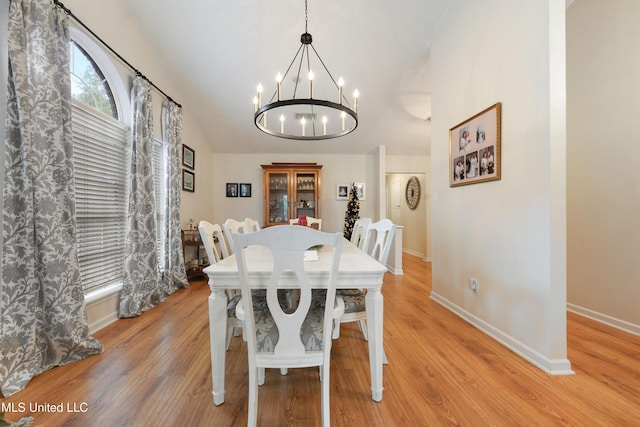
(160, 186)
(99, 151)
(100, 140)
(88, 84)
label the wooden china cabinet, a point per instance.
(290, 190)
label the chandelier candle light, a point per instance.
(326, 119)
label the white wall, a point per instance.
(245, 168)
(603, 74)
(508, 234)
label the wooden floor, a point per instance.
(156, 371)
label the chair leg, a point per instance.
(363, 328)
(336, 329)
(229, 335)
(260, 376)
(284, 371)
(252, 416)
(326, 409)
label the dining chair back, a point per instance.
(252, 224)
(378, 239)
(231, 226)
(377, 243)
(207, 236)
(209, 233)
(358, 232)
(278, 337)
(218, 234)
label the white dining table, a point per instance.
(357, 270)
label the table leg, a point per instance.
(217, 335)
(375, 314)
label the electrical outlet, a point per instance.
(473, 285)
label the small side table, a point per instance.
(192, 238)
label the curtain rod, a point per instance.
(138, 73)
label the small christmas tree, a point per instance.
(352, 213)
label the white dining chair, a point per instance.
(208, 238)
(377, 243)
(252, 224)
(218, 234)
(358, 232)
(233, 226)
(208, 233)
(282, 339)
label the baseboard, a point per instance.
(414, 253)
(395, 270)
(603, 318)
(419, 255)
(102, 307)
(550, 366)
(103, 322)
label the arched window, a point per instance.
(88, 84)
(100, 116)
(100, 136)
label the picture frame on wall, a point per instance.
(474, 148)
(342, 192)
(245, 190)
(232, 189)
(188, 157)
(188, 181)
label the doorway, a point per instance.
(416, 232)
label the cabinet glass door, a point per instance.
(278, 198)
(305, 194)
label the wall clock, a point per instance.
(412, 194)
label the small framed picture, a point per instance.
(188, 180)
(232, 189)
(245, 190)
(188, 157)
(360, 187)
(342, 192)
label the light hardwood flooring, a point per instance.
(156, 371)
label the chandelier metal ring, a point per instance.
(275, 106)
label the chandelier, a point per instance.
(303, 116)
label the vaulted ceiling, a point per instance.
(216, 52)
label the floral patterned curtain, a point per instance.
(142, 287)
(174, 273)
(43, 322)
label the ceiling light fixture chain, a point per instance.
(306, 18)
(326, 119)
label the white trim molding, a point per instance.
(550, 366)
(605, 319)
(102, 307)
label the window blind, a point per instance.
(100, 162)
(159, 153)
